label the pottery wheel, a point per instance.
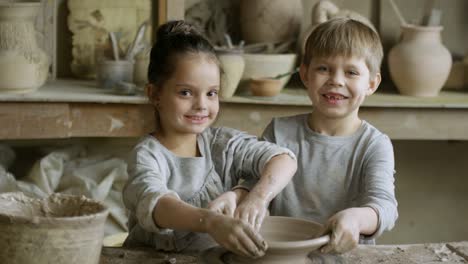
(219, 255)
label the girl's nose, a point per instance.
(201, 102)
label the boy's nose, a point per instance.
(336, 79)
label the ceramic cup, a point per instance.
(111, 72)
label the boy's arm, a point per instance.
(379, 188)
(346, 226)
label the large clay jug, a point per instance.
(23, 65)
(420, 64)
(270, 20)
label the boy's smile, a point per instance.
(334, 98)
(338, 85)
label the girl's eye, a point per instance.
(185, 93)
(213, 93)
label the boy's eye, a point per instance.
(353, 73)
(322, 68)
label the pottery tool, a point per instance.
(398, 13)
(137, 44)
(115, 48)
(279, 76)
(432, 16)
(228, 41)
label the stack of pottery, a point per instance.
(420, 64)
(24, 66)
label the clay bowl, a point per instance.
(59, 229)
(265, 86)
(259, 65)
(289, 240)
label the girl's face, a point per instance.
(337, 86)
(188, 101)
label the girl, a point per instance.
(176, 172)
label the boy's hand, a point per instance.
(252, 210)
(344, 228)
(236, 236)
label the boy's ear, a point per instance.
(303, 73)
(374, 84)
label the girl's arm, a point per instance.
(276, 174)
(232, 234)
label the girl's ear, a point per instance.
(374, 84)
(303, 73)
(153, 93)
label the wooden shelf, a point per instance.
(73, 108)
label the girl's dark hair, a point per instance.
(174, 38)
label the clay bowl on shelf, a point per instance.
(265, 86)
(289, 240)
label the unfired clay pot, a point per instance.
(23, 65)
(59, 229)
(270, 20)
(233, 67)
(420, 64)
(289, 240)
(265, 87)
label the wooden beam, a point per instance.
(170, 10)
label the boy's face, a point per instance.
(338, 85)
(188, 102)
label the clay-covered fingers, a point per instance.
(341, 240)
(251, 241)
(224, 204)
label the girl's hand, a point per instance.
(344, 229)
(236, 236)
(252, 210)
(225, 204)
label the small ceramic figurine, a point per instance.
(325, 10)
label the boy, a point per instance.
(345, 165)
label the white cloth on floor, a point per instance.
(69, 170)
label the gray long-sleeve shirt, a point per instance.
(154, 171)
(335, 173)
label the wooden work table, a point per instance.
(447, 253)
(73, 108)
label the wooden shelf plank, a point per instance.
(72, 108)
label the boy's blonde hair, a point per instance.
(345, 37)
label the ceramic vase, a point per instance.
(270, 20)
(420, 64)
(24, 66)
(233, 66)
